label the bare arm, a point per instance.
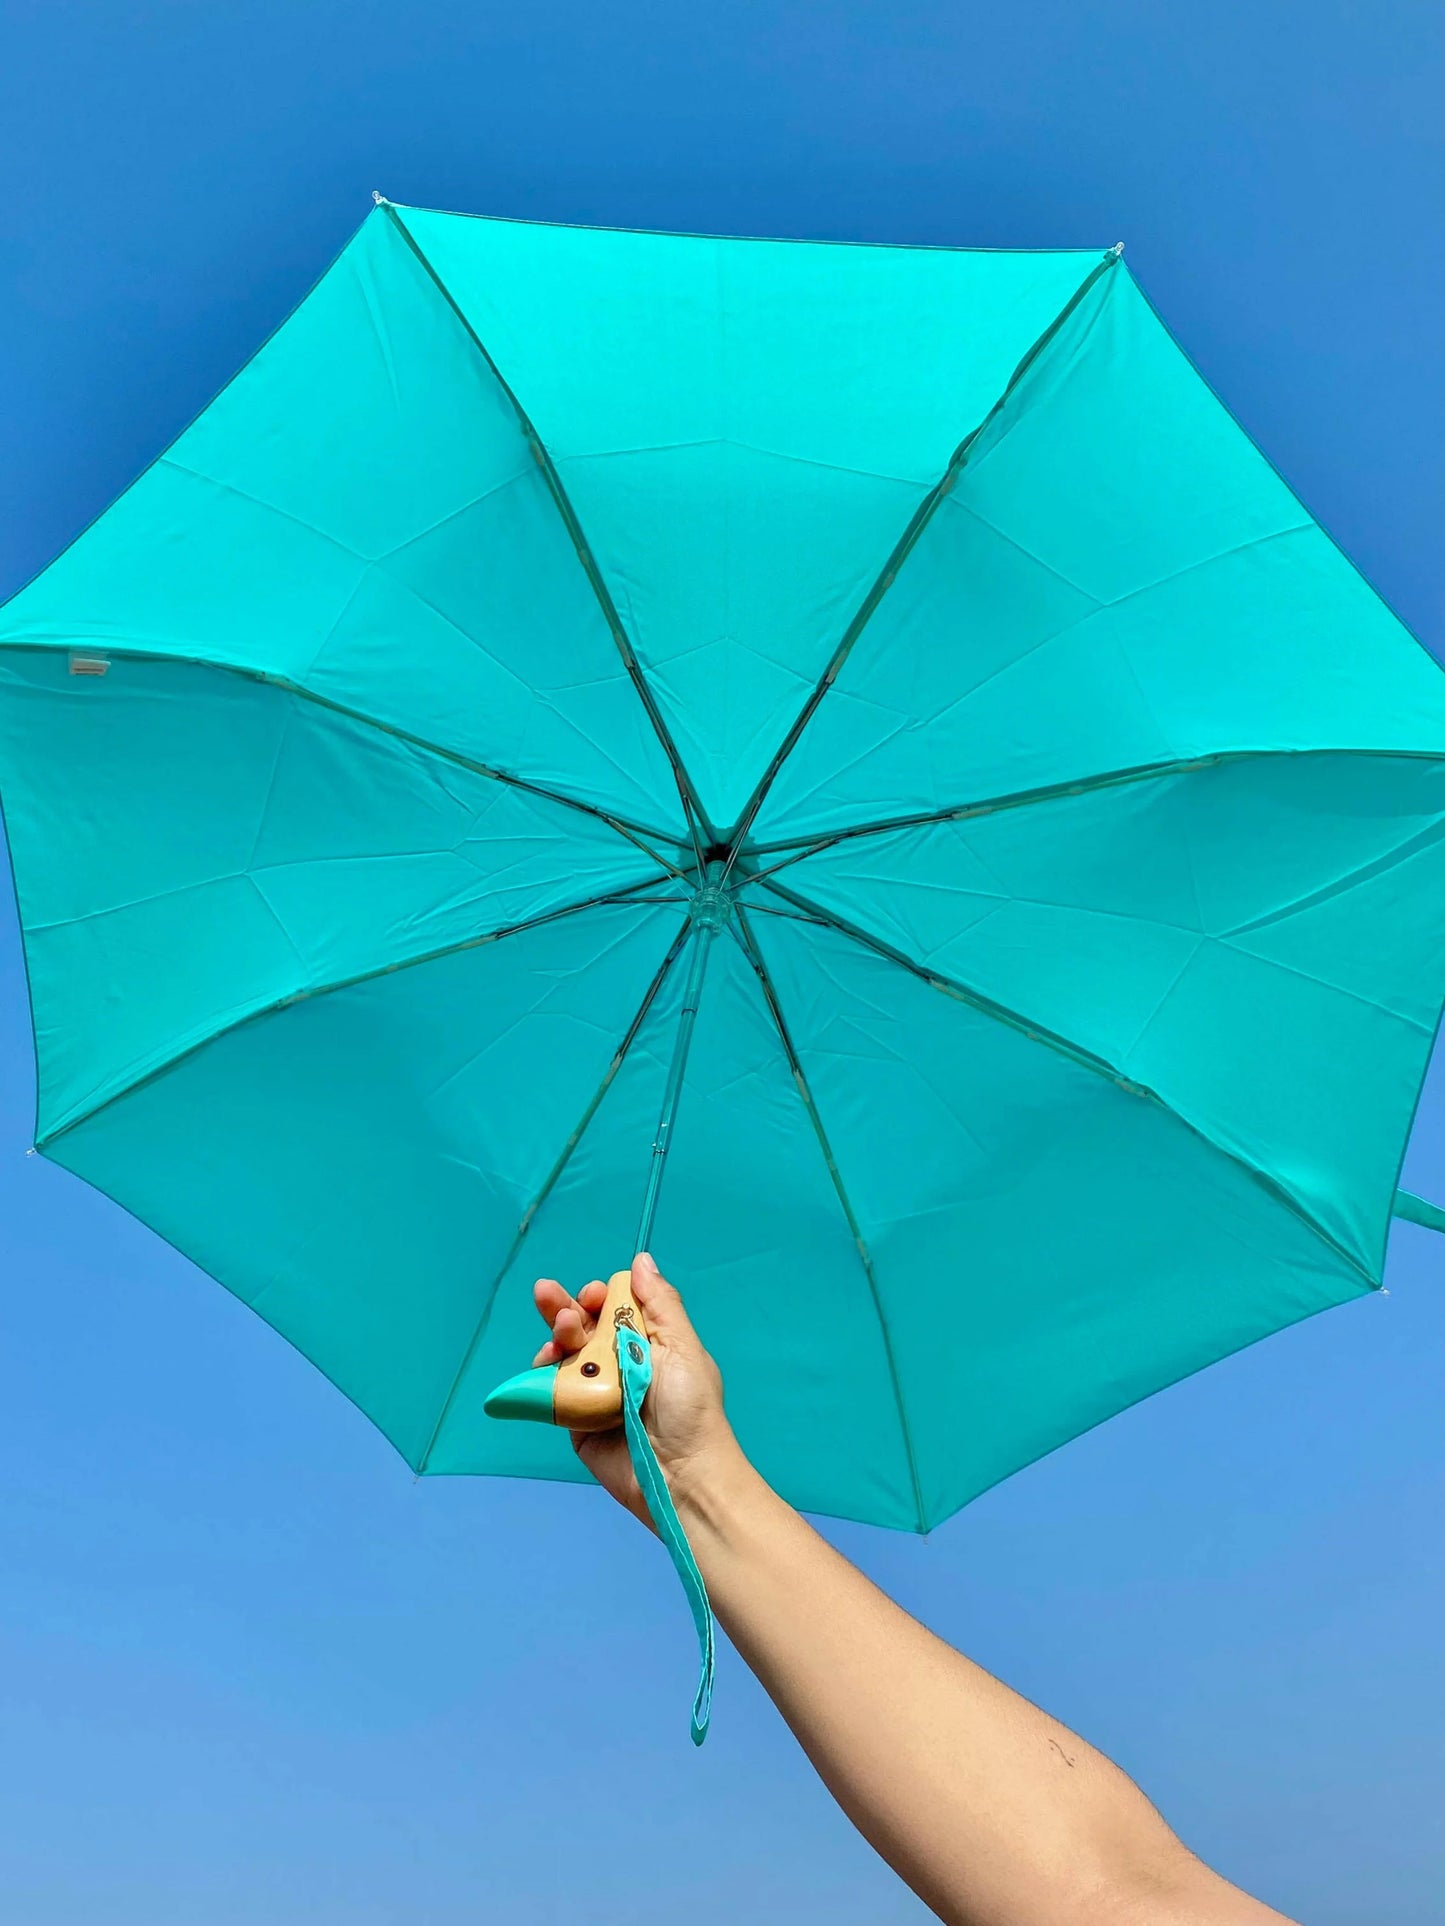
(994, 1813)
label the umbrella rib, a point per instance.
(632, 832)
(793, 849)
(632, 893)
(749, 945)
(1086, 1059)
(907, 541)
(549, 1183)
(697, 817)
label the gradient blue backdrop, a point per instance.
(249, 1670)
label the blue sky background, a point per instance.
(249, 1669)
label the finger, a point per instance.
(550, 1298)
(570, 1317)
(661, 1305)
(583, 1309)
(572, 1328)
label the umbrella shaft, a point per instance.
(701, 946)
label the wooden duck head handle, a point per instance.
(584, 1391)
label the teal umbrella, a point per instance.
(890, 670)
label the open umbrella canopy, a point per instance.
(910, 636)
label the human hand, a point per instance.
(684, 1408)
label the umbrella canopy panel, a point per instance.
(1081, 815)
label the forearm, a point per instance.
(994, 1813)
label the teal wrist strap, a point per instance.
(634, 1357)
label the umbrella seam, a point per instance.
(168, 460)
(1098, 609)
(1097, 604)
(752, 951)
(687, 791)
(548, 1185)
(628, 894)
(191, 422)
(621, 825)
(1036, 1456)
(764, 240)
(538, 695)
(904, 546)
(577, 455)
(1085, 1059)
(253, 873)
(1293, 494)
(452, 515)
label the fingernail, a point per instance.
(644, 1258)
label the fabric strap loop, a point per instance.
(634, 1357)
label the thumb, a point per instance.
(660, 1302)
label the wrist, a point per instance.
(711, 1485)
